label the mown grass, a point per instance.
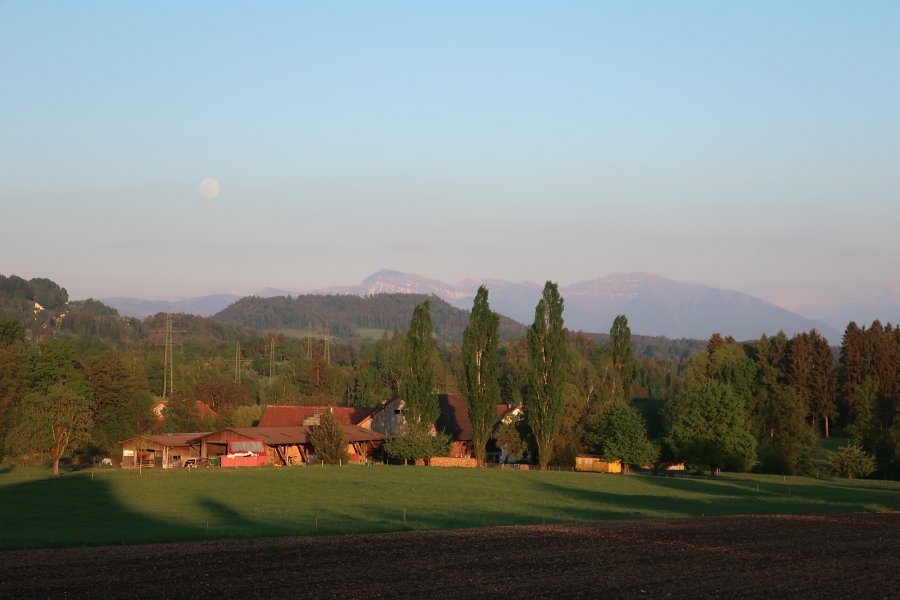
(125, 507)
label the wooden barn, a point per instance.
(597, 464)
(281, 445)
(161, 451)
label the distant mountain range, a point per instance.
(654, 305)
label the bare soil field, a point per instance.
(834, 556)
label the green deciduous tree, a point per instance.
(328, 440)
(121, 398)
(421, 407)
(618, 432)
(710, 427)
(479, 372)
(53, 422)
(547, 354)
(850, 462)
(512, 438)
(415, 444)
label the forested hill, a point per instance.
(345, 315)
(21, 299)
(43, 308)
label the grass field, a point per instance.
(94, 507)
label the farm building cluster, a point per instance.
(283, 437)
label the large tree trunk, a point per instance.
(826, 428)
(56, 466)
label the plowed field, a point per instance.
(836, 556)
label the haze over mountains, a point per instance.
(204, 306)
(654, 305)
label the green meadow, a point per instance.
(111, 506)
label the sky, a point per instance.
(752, 146)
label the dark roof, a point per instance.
(291, 416)
(172, 439)
(454, 418)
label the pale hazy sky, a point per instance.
(746, 145)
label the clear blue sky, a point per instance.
(746, 145)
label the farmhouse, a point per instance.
(454, 421)
(162, 451)
(388, 418)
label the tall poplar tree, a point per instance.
(421, 408)
(622, 355)
(547, 351)
(480, 371)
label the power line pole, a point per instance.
(237, 363)
(168, 367)
(271, 358)
(169, 359)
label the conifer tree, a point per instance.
(853, 370)
(328, 440)
(421, 407)
(547, 351)
(480, 371)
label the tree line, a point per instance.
(760, 405)
(720, 405)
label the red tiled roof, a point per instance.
(292, 416)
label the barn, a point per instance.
(280, 445)
(161, 451)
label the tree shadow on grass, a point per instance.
(690, 497)
(78, 510)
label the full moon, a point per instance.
(209, 187)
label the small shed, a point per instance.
(597, 464)
(162, 451)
